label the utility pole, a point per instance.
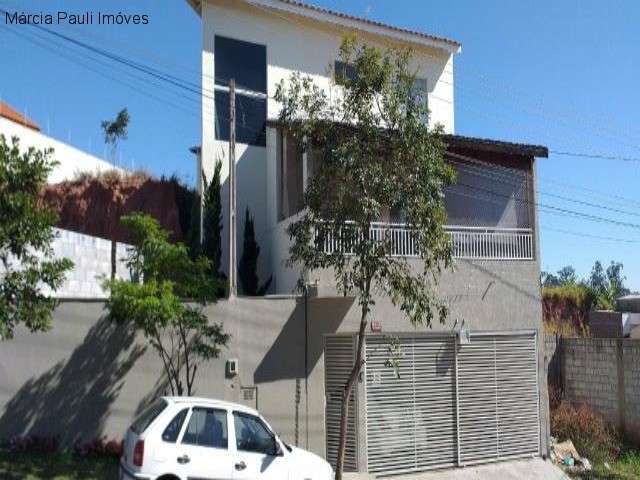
(233, 287)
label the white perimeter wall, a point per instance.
(292, 45)
(71, 160)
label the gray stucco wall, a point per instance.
(482, 295)
(86, 378)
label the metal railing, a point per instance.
(480, 243)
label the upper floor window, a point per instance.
(343, 71)
(246, 63)
(419, 92)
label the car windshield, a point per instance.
(142, 422)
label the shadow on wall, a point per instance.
(160, 389)
(73, 398)
(283, 360)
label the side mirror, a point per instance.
(276, 451)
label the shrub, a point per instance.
(33, 444)
(565, 309)
(592, 436)
(99, 447)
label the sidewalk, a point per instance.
(533, 469)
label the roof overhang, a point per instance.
(460, 142)
(196, 5)
(495, 146)
(350, 22)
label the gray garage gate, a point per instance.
(444, 404)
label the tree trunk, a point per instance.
(346, 394)
(113, 257)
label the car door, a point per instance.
(203, 451)
(258, 454)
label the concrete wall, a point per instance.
(72, 161)
(605, 324)
(86, 377)
(91, 257)
(603, 373)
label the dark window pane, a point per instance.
(252, 435)
(251, 116)
(477, 199)
(420, 95)
(344, 71)
(419, 90)
(243, 61)
(172, 431)
(145, 419)
(207, 428)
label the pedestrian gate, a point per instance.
(431, 402)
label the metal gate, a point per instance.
(443, 404)
(411, 414)
(338, 362)
(498, 399)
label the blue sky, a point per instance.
(562, 74)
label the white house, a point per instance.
(71, 160)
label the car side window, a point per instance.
(146, 418)
(207, 427)
(252, 435)
(172, 431)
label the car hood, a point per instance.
(310, 465)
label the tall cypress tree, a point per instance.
(212, 220)
(248, 267)
(193, 238)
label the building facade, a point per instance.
(472, 390)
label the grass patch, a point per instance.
(56, 466)
(626, 467)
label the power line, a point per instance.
(188, 83)
(545, 115)
(588, 235)
(515, 182)
(177, 82)
(596, 155)
(72, 59)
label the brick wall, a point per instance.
(590, 373)
(605, 324)
(631, 366)
(603, 373)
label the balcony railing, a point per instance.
(478, 243)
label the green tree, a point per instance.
(548, 279)
(248, 266)
(168, 305)
(116, 130)
(567, 275)
(598, 277)
(212, 220)
(26, 235)
(608, 285)
(193, 239)
(376, 152)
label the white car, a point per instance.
(188, 438)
